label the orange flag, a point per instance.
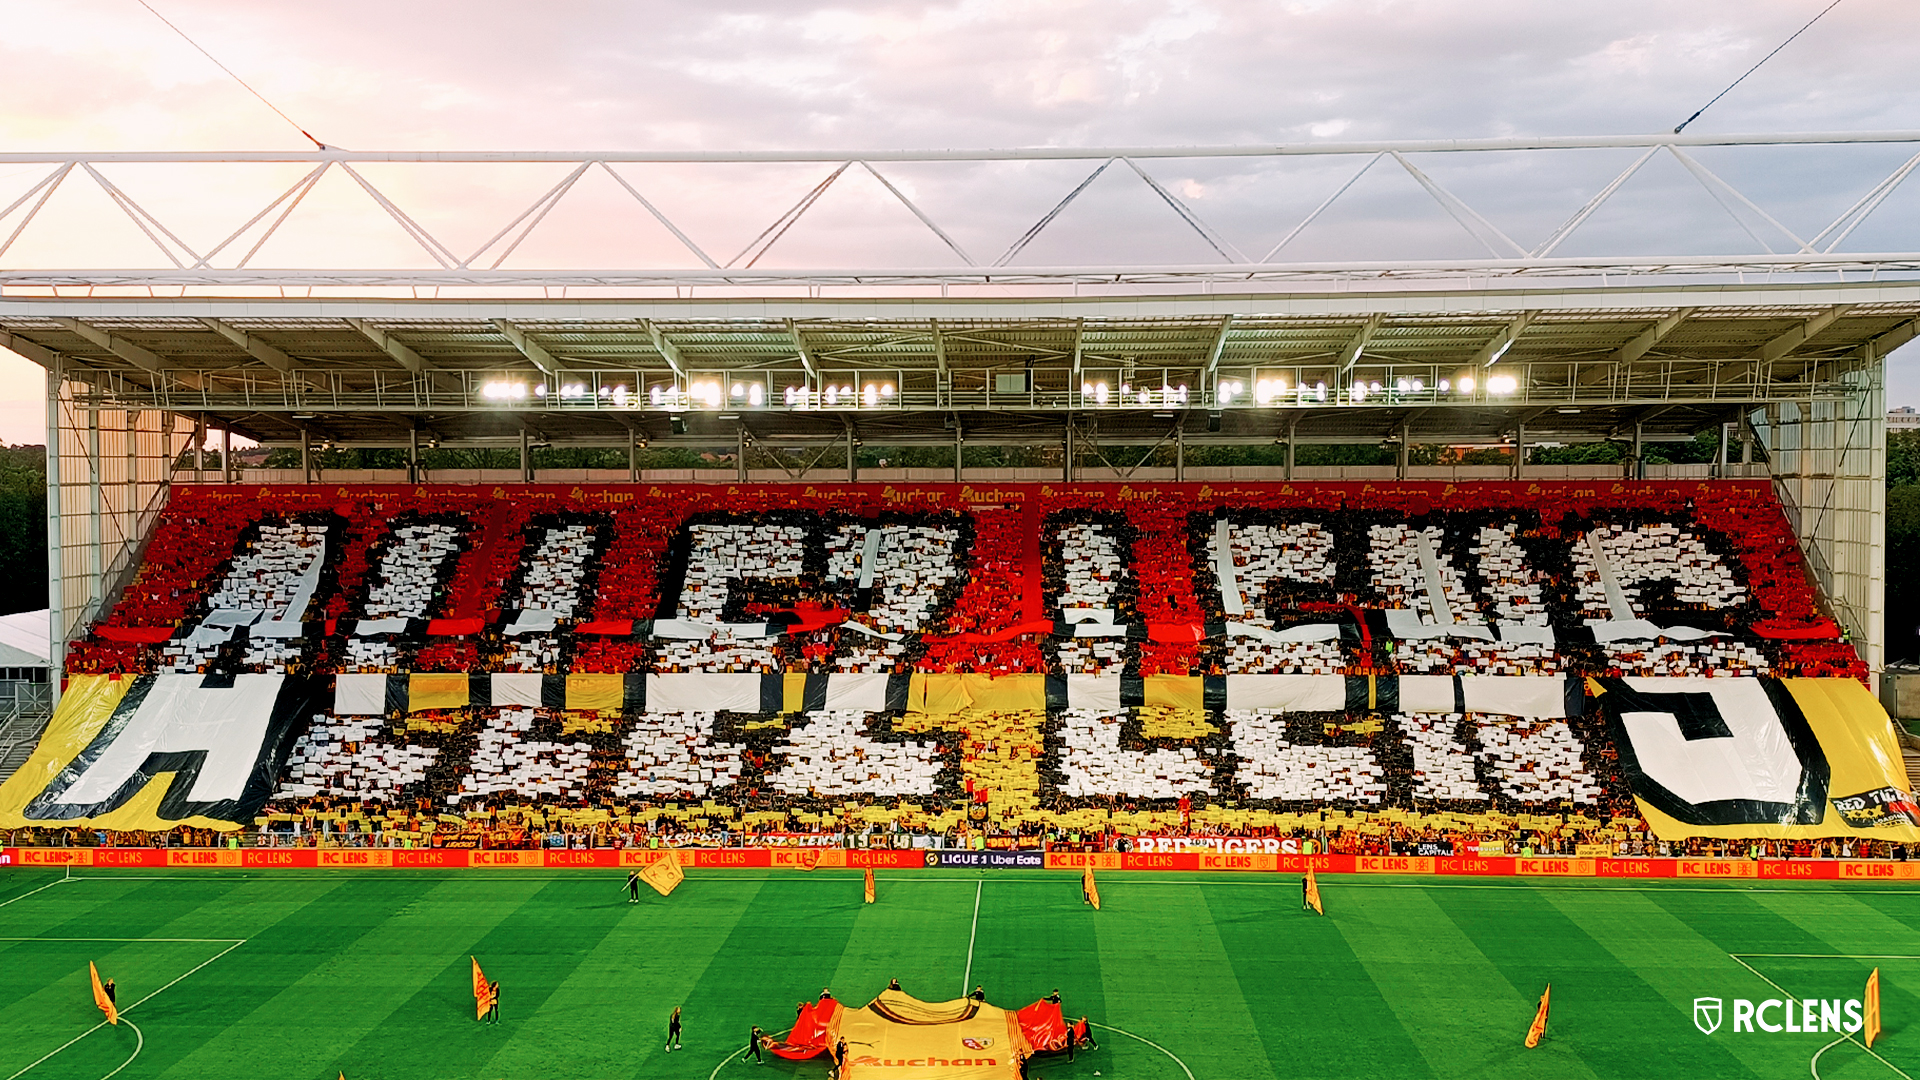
(482, 991)
(664, 874)
(101, 999)
(1872, 1028)
(869, 886)
(1539, 1027)
(1089, 888)
(1313, 892)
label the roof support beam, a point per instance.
(528, 347)
(1492, 351)
(392, 346)
(118, 346)
(939, 346)
(1651, 336)
(1213, 351)
(1357, 344)
(33, 351)
(254, 347)
(1796, 337)
(806, 354)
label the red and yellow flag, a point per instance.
(482, 991)
(1539, 1027)
(1313, 892)
(101, 999)
(1872, 1028)
(869, 892)
(664, 874)
(809, 859)
(1090, 888)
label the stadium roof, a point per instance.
(1584, 363)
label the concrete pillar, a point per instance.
(56, 585)
(740, 455)
(306, 456)
(959, 449)
(633, 456)
(1180, 453)
(526, 457)
(413, 455)
(226, 452)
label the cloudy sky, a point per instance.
(566, 75)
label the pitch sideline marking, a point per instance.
(237, 942)
(972, 935)
(740, 1053)
(1736, 958)
(24, 895)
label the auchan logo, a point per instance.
(1798, 1015)
(867, 1061)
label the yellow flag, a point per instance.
(1872, 1028)
(1539, 1027)
(482, 991)
(869, 895)
(664, 874)
(1089, 888)
(101, 999)
(1313, 892)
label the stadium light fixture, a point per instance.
(1466, 384)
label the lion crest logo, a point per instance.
(976, 1044)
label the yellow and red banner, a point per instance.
(1312, 889)
(664, 874)
(482, 991)
(1539, 1025)
(1759, 758)
(868, 895)
(1090, 888)
(1871, 1027)
(100, 997)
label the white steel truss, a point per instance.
(167, 258)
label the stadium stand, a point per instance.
(1359, 667)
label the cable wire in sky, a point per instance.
(1751, 70)
(243, 82)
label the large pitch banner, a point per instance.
(1773, 758)
(158, 751)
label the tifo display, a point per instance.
(1365, 668)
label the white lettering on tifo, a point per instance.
(1798, 1016)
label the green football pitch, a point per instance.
(308, 974)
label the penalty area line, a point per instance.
(972, 935)
(43, 888)
(237, 942)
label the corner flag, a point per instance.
(101, 999)
(1089, 889)
(664, 873)
(482, 991)
(1539, 1027)
(1313, 892)
(1872, 1027)
(869, 891)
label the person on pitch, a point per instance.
(1303, 895)
(893, 984)
(673, 1030)
(826, 994)
(1053, 998)
(839, 1057)
(754, 1038)
(633, 886)
(108, 987)
(493, 1003)
(979, 993)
